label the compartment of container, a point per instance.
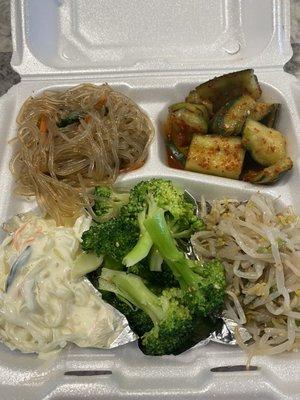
(152, 61)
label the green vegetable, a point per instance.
(113, 238)
(156, 280)
(181, 214)
(194, 99)
(230, 118)
(143, 245)
(84, 264)
(194, 108)
(118, 236)
(266, 145)
(172, 321)
(111, 263)
(271, 118)
(71, 118)
(108, 203)
(188, 121)
(203, 291)
(171, 309)
(227, 87)
(184, 120)
(156, 260)
(138, 320)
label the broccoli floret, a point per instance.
(172, 308)
(203, 292)
(138, 320)
(180, 214)
(143, 245)
(172, 322)
(168, 197)
(157, 281)
(114, 238)
(154, 271)
(155, 259)
(121, 233)
(107, 203)
(213, 283)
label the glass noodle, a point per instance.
(59, 164)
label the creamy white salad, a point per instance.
(45, 303)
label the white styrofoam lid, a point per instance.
(60, 36)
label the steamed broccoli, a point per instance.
(138, 320)
(156, 280)
(203, 287)
(155, 260)
(180, 214)
(113, 238)
(173, 329)
(168, 197)
(213, 283)
(108, 202)
(172, 322)
(143, 245)
(173, 306)
(122, 234)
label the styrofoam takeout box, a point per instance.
(155, 52)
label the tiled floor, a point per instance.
(5, 40)
(8, 77)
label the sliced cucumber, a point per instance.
(266, 145)
(183, 123)
(202, 108)
(194, 108)
(216, 155)
(194, 98)
(230, 118)
(224, 88)
(265, 113)
(84, 264)
(188, 120)
(271, 118)
(270, 174)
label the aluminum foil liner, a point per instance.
(226, 334)
(126, 335)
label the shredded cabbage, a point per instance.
(44, 307)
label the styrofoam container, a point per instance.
(155, 52)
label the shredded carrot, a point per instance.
(17, 233)
(100, 103)
(43, 124)
(17, 243)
